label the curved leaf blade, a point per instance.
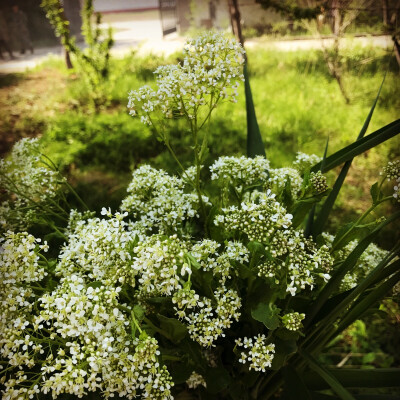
(255, 145)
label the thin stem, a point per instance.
(77, 196)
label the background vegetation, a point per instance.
(298, 106)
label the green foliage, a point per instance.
(93, 62)
(114, 143)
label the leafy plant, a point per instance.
(214, 283)
(93, 62)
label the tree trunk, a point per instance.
(385, 12)
(235, 20)
(336, 17)
(68, 60)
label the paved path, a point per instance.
(142, 31)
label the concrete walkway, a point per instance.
(142, 32)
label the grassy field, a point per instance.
(298, 107)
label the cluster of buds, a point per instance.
(292, 321)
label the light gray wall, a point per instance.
(124, 5)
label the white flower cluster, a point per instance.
(25, 171)
(207, 324)
(195, 380)
(240, 170)
(304, 162)
(19, 269)
(159, 200)
(185, 298)
(209, 259)
(392, 172)
(210, 71)
(26, 176)
(295, 262)
(258, 352)
(160, 263)
(292, 321)
(259, 218)
(280, 176)
(96, 353)
(100, 249)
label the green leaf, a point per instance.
(268, 314)
(360, 146)
(376, 194)
(180, 372)
(303, 206)
(327, 376)
(192, 261)
(294, 387)
(244, 271)
(257, 251)
(138, 312)
(283, 348)
(217, 379)
(95, 284)
(356, 378)
(255, 145)
(174, 328)
(368, 301)
(330, 201)
(346, 266)
(357, 232)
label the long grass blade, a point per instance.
(364, 378)
(343, 300)
(327, 207)
(360, 146)
(328, 377)
(294, 385)
(346, 267)
(358, 309)
(310, 220)
(255, 145)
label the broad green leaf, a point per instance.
(138, 311)
(174, 328)
(267, 314)
(327, 376)
(255, 145)
(257, 251)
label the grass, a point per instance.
(298, 106)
